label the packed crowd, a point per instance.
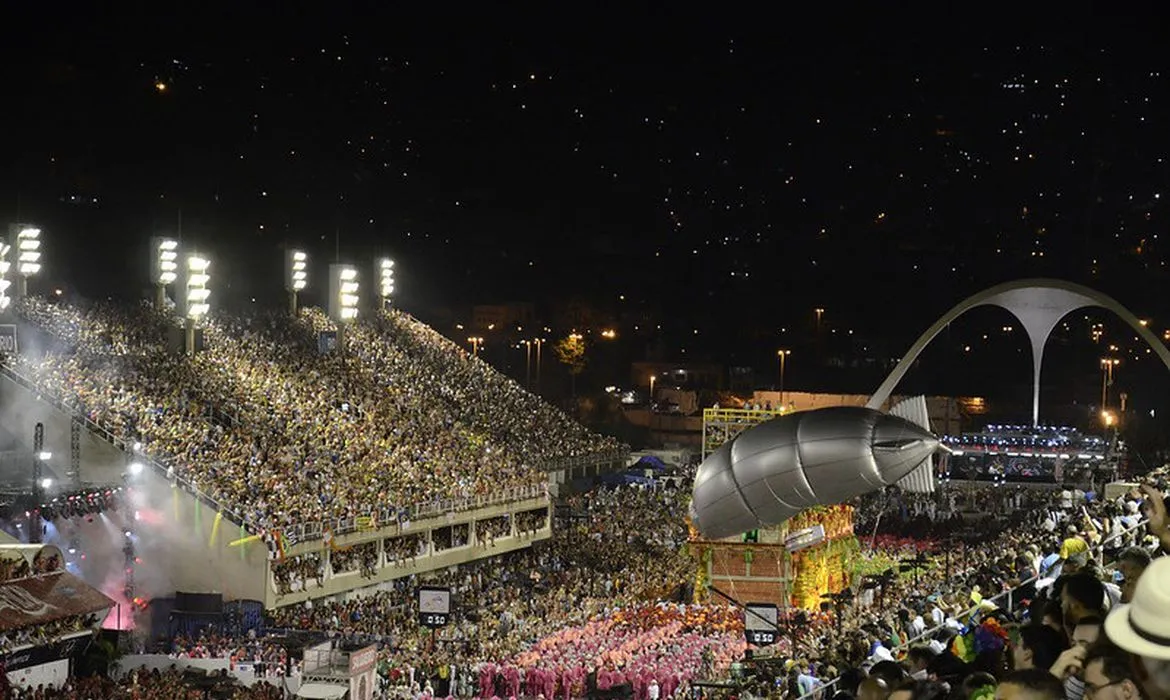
(46, 632)
(281, 434)
(615, 554)
(17, 567)
(1050, 555)
(154, 685)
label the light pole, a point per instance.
(5, 268)
(164, 267)
(385, 281)
(28, 255)
(539, 344)
(652, 379)
(197, 296)
(782, 354)
(38, 486)
(1107, 365)
(296, 276)
(475, 341)
(343, 298)
(820, 312)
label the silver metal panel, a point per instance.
(719, 494)
(768, 473)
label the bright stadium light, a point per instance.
(5, 268)
(385, 271)
(343, 293)
(196, 296)
(296, 275)
(164, 267)
(198, 291)
(26, 240)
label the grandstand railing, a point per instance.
(1097, 550)
(389, 515)
(588, 460)
(309, 530)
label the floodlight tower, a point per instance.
(343, 298)
(385, 272)
(5, 269)
(296, 276)
(27, 240)
(197, 295)
(164, 267)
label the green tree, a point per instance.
(570, 351)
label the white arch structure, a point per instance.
(1039, 304)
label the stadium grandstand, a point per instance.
(1041, 454)
(270, 508)
(265, 469)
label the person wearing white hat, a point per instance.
(1143, 629)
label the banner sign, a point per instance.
(63, 648)
(760, 623)
(326, 342)
(8, 339)
(434, 606)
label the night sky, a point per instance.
(727, 174)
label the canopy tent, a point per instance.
(650, 462)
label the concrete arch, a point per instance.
(1039, 304)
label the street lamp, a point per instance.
(197, 295)
(164, 267)
(527, 362)
(296, 276)
(652, 379)
(28, 254)
(539, 342)
(475, 341)
(782, 354)
(385, 271)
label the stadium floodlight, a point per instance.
(46, 483)
(198, 291)
(164, 266)
(28, 243)
(385, 272)
(296, 276)
(26, 240)
(343, 293)
(5, 268)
